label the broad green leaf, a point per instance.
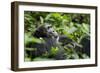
(31, 49)
(71, 30)
(41, 19)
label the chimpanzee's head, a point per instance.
(45, 31)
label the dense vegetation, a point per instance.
(75, 26)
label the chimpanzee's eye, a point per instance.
(49, 27)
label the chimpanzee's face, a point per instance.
(46, 31)
(50, 31)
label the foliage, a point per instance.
(74, 25)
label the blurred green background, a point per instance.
(74, 25)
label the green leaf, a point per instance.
(27, 59)
(31, 49)
(42, 59)
(86, 27)
(33, 39)
(54, 50)
(85, 56)
(41, 20)
(72, 30)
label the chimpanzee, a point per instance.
(52, 39)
